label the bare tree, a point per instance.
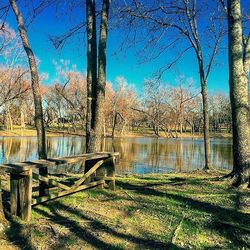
(13, 77)
(182, 99)
(155, 107)
(39, 122)
(183, 17)
(118, 105)
(220, 113)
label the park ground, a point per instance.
(154, 211)
(68, 131)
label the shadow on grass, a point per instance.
(62, 214)
(219, 214)
(89, 234)
(17, 235)
(15, 232)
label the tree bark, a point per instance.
(39, 123)
(206, 134)
(101, 83)
(238, 83)
(91, 73)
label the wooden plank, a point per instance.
(105, 178)
(101, 172)
(88, 166)
(50, 181)
(12, 168)
(25, 196)
(91, 171)
(43, 186)
(40, 200)
(111, 172)
(14, 194)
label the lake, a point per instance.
(138, 155)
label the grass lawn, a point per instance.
(155, 211)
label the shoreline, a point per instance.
(57, 133)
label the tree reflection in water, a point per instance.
(138, 155)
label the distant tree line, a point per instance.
(166, 110)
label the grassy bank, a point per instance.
(143, 132)
(167, 211)
(29, 132)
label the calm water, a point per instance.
(138, 155)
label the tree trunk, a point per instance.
(9, 119)
(104, 127)
(99, 89)
(91, 73)
(206, 135)
(238, 83)
(181, 119)
(22, 120)
(205, 113)
(114, 124)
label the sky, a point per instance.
(126, 63)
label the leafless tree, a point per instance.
(163, 19)
(39, 122)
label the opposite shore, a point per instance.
(55, 132)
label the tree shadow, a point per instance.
(220, 217)
(241, 200)
(219, 214)
(17, 235)
(94, 224)
(80, 232)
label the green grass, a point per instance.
(168, 211)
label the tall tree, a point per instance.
(39, 122)
(96, 79)
(239, 60)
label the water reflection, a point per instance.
(138, 155)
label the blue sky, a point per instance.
(122, 64)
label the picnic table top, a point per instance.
(36, 164)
